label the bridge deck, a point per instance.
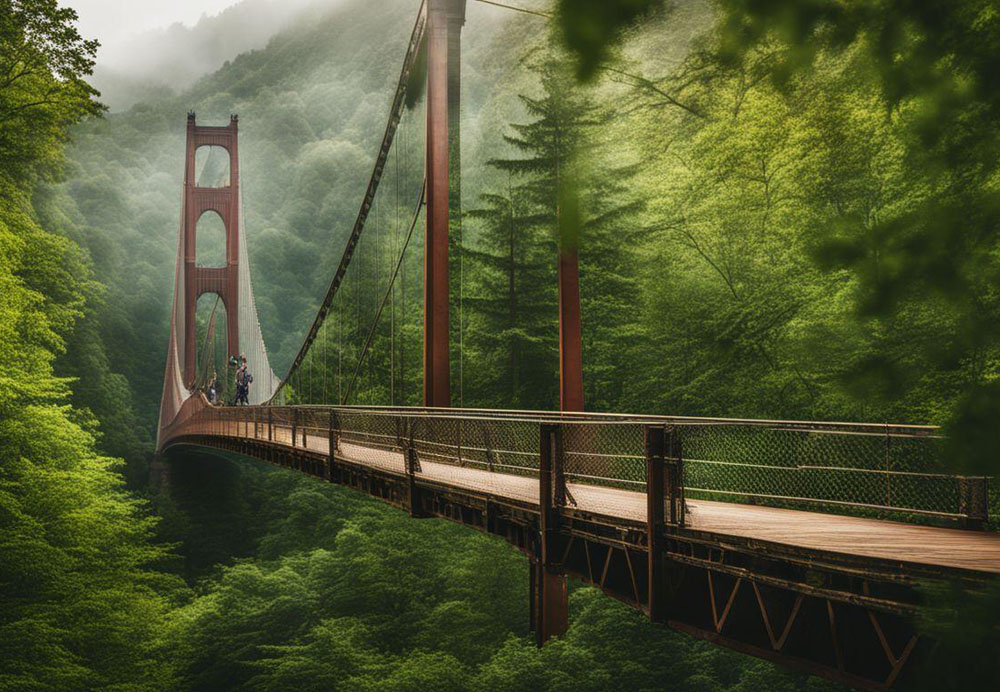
(897, 542)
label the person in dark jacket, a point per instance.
(243, 380)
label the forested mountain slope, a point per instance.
(82, 591)
(735, 215)
(172, 58)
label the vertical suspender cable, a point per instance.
(378, 258)
(385, 297)
(402, 297)
(340, 356)
(392, 299)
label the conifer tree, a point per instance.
(554, 172)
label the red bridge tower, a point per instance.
(225, 201)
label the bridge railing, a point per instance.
(890, 471)
(872, 469)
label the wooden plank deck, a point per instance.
(977, 551)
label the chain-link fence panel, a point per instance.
(863, 466)
(609, 454)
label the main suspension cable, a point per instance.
(395, 113)
(525, 10)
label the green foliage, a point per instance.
(43, 67)
(935, 65)
(963, 627)
(80, 596)
(591, 27)
(377, 601)
(561, 195)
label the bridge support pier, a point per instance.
(549, 608)
(655, 449)
(664, 505)
(413, 500)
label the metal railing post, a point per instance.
(549, 597)
(295, 424)
(412, 464)
(331, 443)
(973, 501)
(674, 465)
(558, 468)
(655, 447)
(270, 424)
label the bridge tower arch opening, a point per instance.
(212, 349)
(212, 164)
(220, 200)
(210, 240)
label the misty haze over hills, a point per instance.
(164, 61)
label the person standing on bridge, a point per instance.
(213, 389)
(243, 380)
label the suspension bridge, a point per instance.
(804, 543)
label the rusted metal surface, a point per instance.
(570, 345)
(655, 444)
(222, 281)
(549, 583)
(437, 367)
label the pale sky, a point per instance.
(112, 21)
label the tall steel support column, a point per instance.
(570, 348)
(550, 610)
(444, 17)
(223, 281)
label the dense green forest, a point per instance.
(785, 210)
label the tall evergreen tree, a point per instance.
(80, 601)
(557, 185)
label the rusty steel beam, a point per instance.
(437, 364)
(655, 517)
(570, 348)
(548, 596)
